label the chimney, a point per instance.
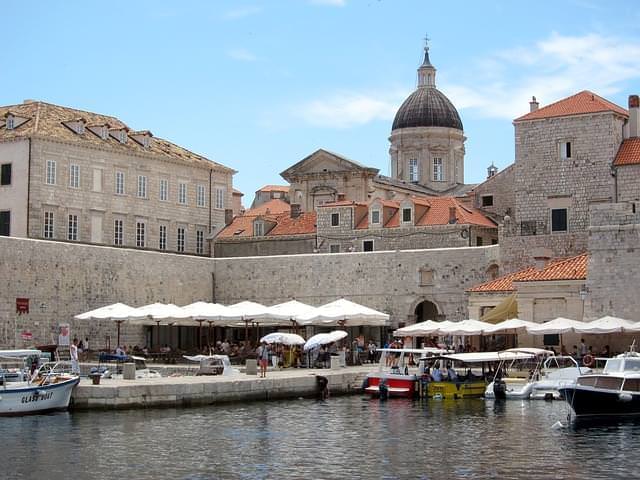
(228, 216)
(295, 210)
(341, 197)
(533, 104)
(634, 113)
(541, 261)
(452, 215)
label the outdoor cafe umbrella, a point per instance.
(247, 311)
(556, 326)
(465, 327)
(341, 312)
(292, 310)
(117, 312)
(324, 339)
(606, 325)
(421, 329)
(283, 338)
(209, 312)
(156, 313)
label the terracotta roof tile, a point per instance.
(274, 188)
(305, 223)
(502, 284)
(275, 206)
(628, 153)
(574, 268)
(47, 120)
(342, 203)
(580, 103)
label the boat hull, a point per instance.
(456, 389)
(397, 385)
(512, 392)
(34, 399)
(587, 401)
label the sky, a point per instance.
(259, 85)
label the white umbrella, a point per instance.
(606, 325)
(284, 338)
(343, 311)
(556, 326)
(250, 311)
(117, 312)
(422, 329)
(324, 339)
(158, 312)
(510, 326)
(214, 312)
(291, 310)
(465, 327)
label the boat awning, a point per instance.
(506, 309)
(481, 357)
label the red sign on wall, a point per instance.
(27, 335)
(22, 305)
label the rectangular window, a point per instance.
(72, 228)
(438, 172)
(181, 240)
(118, 232)
(51, 172)
(5, 223)
(74, 176)
(182, 193)
(406, 215)
(200, 196)
(487, 200)
(140, 234)
(162, 245)
(10, 123)
(199, 242)
(142, 186)
(479, 241)
(558, 220)
(367, 245)
(220, 198)
(48, 225)
(258, 229)
(164, 190)
(97, 180)
(119, 183)
(413, 170)
(335, 219)
(565, 150)
(334, 248)
(375, 217)
(5, 174)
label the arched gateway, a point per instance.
(427, 310)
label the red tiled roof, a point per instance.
(275, 207)
(628, 153)
(341, 203)
(305, 223)
(274, 188)
(235, 191)
(574, 268)
(502, 284)
(580, 103)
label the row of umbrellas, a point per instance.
(339, 312)
(559, 325)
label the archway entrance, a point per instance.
(427, 310)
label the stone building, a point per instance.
(413, 223)
(564, 154)
(271, 192)
(85, 177)
(273, 228)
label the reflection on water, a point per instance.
(348, 437)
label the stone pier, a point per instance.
(208, 390)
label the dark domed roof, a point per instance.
(427, 107)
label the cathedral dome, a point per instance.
(427, 107)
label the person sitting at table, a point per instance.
(453, 376)
(436, 375)
(119, 350)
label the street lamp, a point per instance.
(584, 291)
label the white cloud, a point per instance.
(241, 54)
(551, 69)
(331, 3)
(349, 109)
(242, 12)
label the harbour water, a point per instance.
(343, 438)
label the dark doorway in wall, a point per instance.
(427, 310)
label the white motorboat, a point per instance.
(48, 389)
(213, 364)
(557, 372)
(508, 384)
(113, 367)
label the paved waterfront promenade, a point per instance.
(206, 390)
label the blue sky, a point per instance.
(259, 85)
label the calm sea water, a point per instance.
(343, 438)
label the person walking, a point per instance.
(73, 353)
(263, 358)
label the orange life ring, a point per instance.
(587, 360)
